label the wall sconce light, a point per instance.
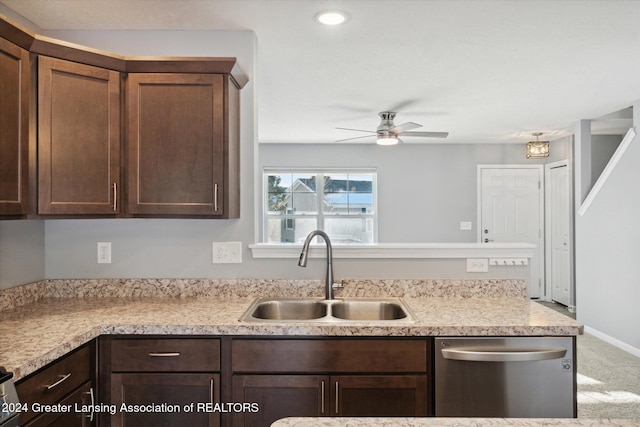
(537, 149)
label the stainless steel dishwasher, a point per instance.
(521, 377)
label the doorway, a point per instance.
(558, 208)
(511, 209)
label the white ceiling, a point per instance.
(485, 71)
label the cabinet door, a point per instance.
(176, 144)
(72, 415)
(175, 391)
(380, 396)
(78, 138)
(14, 128)
(280, 396)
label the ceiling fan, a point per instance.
(387, 133)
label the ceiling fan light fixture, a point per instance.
(387, 140)
(537, 149)
(331, 17)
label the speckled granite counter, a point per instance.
(38, 332)
(450, 422)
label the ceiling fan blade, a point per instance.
(403, 104)
(404, 127)
(426, 134)
(357, 137)
(358, 130)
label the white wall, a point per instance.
(607, 255)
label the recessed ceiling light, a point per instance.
(331, 17)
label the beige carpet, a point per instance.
(608, 380)
(608, 377)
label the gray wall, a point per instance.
(602, 148)
(607, 254)
(425, 190)
(22, 258)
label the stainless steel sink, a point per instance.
(368, 310)
(317, 310)
(289, 309)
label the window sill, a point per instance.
(400, 250)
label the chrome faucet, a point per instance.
(302, 262)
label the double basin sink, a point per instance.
(318, 310)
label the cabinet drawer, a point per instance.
(69, 418)
(329, 355)
(56, 380)
(165, 355)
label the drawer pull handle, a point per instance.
(115, 197)
(62, 379)
(165, 354)
(322, 397)
(337, 397)
(215, 197)
(93, 402)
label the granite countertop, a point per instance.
(452, 422)
(37, 333)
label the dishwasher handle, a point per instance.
(502, 355)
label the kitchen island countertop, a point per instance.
(452, 422)
(38, 333)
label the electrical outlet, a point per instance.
(104, 252)
(465, 225)
(477, 265)
(227, 252)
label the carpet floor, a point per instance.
(608, 377)
(608, 380)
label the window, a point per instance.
(342, 203)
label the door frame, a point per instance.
(541, 199)
(547, 179)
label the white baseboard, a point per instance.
(613, 341)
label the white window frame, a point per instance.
(319, 172)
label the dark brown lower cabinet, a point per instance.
(280, 396)
(160, 381)
(334, 377)
(164, 399)
(379, 396)
(254, 381)
(83, 397)
(62, 384)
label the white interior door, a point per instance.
(511, 210)
(559, 226)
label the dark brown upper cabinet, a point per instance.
(182, 144)
(14, 129)
(170, 134)
(78, 139)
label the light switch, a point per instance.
(104, 252)
(465, 225)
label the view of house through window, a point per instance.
(341, 203)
